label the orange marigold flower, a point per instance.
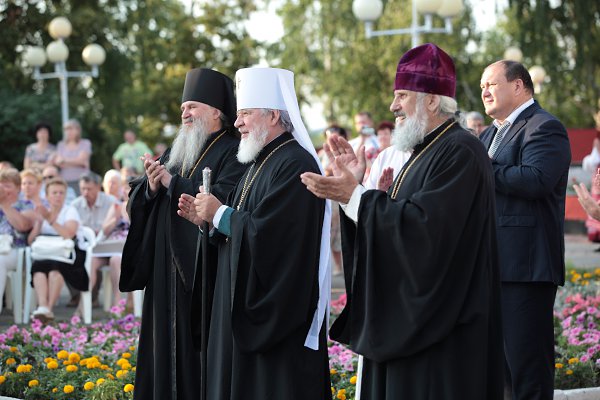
(128, 388)
(100, 381)
(63, 354)
(71, 368)
(68, 389)
(11, 361)
(33, 382)
(332, 371)
(2, 379)
(121, 373)
(13, 349)
(573, 360)
(88, 386)
(558, 365)
(52, 365)
(126, 355)
(353, 380)
(569, 372)
(74, 358)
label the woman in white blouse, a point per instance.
(48, 276)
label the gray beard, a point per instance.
(411, 131)
(252, 145)
(187, 146)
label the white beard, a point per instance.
(252, 144)
(411, 131)
(187, 145)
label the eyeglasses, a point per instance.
(48, 177)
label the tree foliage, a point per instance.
(150, 45)
(325, 45)
(564, 38)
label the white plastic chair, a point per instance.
(14, 290)
(89, 238)
(100, 251)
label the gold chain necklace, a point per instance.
(247, 185)
(203, 154)
(403, 174)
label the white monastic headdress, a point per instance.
(273, 88)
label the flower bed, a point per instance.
(97, 362)
(66, 361)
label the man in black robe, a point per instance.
(160, 252)
(422, 278)
(267, 335)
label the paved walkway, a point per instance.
(579, 253)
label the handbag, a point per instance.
(55, 248)
(6, 242)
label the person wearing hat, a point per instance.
(530, 155)
(423, 305)
(268, 335)
(160, 251)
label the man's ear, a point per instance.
(432, 102)
(275, 117)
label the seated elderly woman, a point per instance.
(48, 276)
(16, 219)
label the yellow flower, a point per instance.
(341, 395)
(558, 365)
(11, 361)
(88, 386)
(573, 360)
(332, 371)
(132, 348)
(33, 382)
(110, 376)
(121, 373)
(587, 275)
(74, 358)
(128, 388)
(353, 380)
(126, 355)
(52, 365)
(13, 349)
(63, 354)
(597, 271)
(343, 391)
(105, 367)
(100, 381)
(569, 372)
(332, 390)
(54, 390)
(2, 379)
(22, 369)
(48, 359)
(71, 368)
(68, 389)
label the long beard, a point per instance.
(187, 146)
(252, 144)
(411, 131)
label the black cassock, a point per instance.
(422, 278)
(160, 256)
(267, 290)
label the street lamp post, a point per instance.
(369, 10)
(57, 53)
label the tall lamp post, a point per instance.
(370, 10)
(57, 53)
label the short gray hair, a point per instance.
(284, 119)
(474, 115)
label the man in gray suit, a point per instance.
(530, 154)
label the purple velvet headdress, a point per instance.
(426, 69)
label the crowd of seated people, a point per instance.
(56, 194)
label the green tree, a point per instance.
(325, 45)
(150, 45)
(564, 38)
